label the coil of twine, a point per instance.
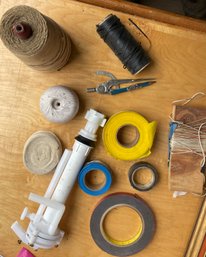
(35, 39)
(59, 104)
(123, 44)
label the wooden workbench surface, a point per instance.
(179, 61)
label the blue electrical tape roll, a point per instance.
(94, 165)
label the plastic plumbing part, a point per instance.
(43, 230)
(142, 146)
(91, 166)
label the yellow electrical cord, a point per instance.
(143, 145)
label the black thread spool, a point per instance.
(123, 44)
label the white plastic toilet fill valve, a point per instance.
(43, 230)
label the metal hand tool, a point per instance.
(107, 87)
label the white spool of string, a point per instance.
(59, 104)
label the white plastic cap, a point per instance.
(96, 117)
(95, 120)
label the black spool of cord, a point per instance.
(123, 44)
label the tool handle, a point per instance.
(118, 91)
(132, 87)
(141, 85)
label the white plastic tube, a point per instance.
(53, 183)
(67, 180)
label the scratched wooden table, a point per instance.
(179, 60)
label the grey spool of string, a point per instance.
(35, 39)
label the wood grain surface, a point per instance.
(150, 13)
(179, 59)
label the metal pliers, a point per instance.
(107, 87)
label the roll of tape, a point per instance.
(42, 152)
(91, 166)
(135, 168)
(59, 104)
(146, 135)
(128, 247)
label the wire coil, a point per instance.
(35, 39)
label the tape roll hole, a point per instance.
(143, 177)
(95, 179)
(121, 225)
(128, 135)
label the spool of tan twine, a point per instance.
(35, 39)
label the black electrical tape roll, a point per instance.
(105, 242)
(123, 44)
(136, 168)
